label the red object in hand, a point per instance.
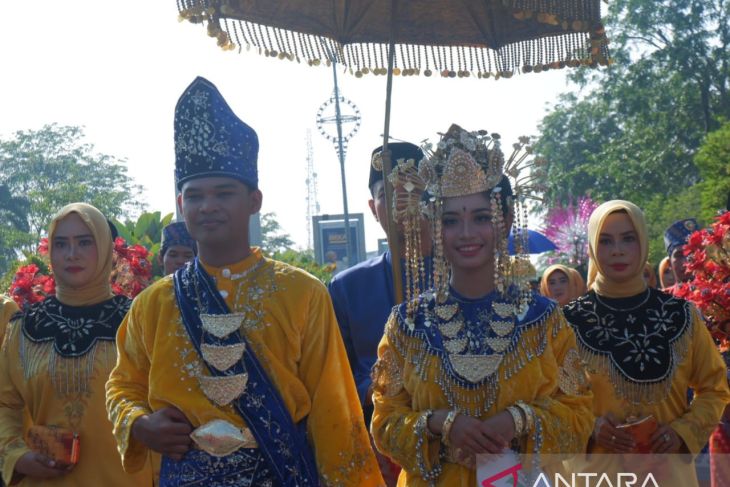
(641, 429)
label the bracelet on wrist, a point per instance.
(529, 416)
(446, 428)
(430, 434)
(519, 420)
(422, 432)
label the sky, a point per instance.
(118, 68)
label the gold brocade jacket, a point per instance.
(37, 386)
(422, 364)
(295, 338)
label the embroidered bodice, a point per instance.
(639, 340)
(74, 330)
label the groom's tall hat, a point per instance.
(210, 140)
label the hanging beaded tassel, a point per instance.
(525, 174)
(501, 254)
(408, 210)
(440, 266)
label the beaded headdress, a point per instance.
(210, 140)
(464, 163)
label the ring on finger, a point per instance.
(666, 437)
(613, 438)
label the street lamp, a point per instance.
(347, 114)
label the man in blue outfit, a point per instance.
(363, 294)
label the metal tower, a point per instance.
(311, 182)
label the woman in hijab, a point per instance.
(55, 362)
(666, 275)
(649, 275)
(644, 349)
(562, 283)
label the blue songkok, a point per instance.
(677, 233)
(210, 140)
(176, 233)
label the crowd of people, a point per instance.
(237, 369)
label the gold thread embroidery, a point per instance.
(499, 345)
(451, 329)
(475, 368)
(223, 390)
(446, 311)
(222, 357)
(455, 346)
(221, 325)
(572, 376)
(502, 328)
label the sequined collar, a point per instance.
(637, 335)
(463, 332)
(74, 330)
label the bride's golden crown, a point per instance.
(465, 163)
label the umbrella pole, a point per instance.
(393, 240)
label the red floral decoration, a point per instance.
(30, 286)
(131, 273)
(131, 270)
(708, 259)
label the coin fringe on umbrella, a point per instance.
(579, 40)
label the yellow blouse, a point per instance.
(702, 370)
(296, 340)
(7, 309)
(28, 396)
(408, 380)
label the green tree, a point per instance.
(713, 161)
(273, 239)
(52, 167)
(304, 259)
(278, 245)
(13, 223)
(13, 209)
(632, 131)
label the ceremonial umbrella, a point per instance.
(454, 38)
